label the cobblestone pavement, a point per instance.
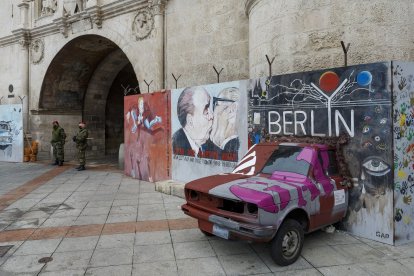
(100, 222)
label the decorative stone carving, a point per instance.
(143, 24)
(48, 7)
(62, 24)
(96, 15)
(71, 7)
(157, 6)
(37, 50)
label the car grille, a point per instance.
(207, 201)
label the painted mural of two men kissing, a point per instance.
(207, 132)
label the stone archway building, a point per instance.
(71, 60)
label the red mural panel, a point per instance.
(147, 136)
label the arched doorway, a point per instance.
(86, 81)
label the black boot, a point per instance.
(60, 163)
(78, 167)
(81, 168)
(56, 163)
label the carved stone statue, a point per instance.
(74, 6)
(48, 7)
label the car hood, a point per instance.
(208, 183)
(269, 194)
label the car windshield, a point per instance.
(285, 159)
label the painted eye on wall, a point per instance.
(366, 129)
(376, 166)
(377, 138)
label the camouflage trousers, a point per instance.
(58, 152)
(81, 156)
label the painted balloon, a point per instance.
(329, 81)
(364, 78)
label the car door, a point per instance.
(334, 194)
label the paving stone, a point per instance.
(38, 247)
(243, 264)
(225, 247)
(197, 249)
(125, 202)
(151, 212)
(99, 203)
(408, 262)
(300, 263)
(77, 272)
(22, 264)
(342, 270)
(200, 267)
(116, 241)
(73, 260)
(78, 244)
(15, 245)
(157, 237)
(60, 221)
(164, 268)
(153, 253)
(320, 256)
(86, 220)
(116, 218)
(93, 211)
(66, 213)
(173, 211)
(187, 235)
(360, 252)
(108, 257)
(385, 268)
(302, 272)
(124, 210)
(119, 270)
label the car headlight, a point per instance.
(251, 208)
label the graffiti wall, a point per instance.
(147, 136)
(403, 80)
(208, 129)
(355, 100)
(11, 133)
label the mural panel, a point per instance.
(208, 129)
(11, 133)
(354, 100)
(147, 136)
(403, 79)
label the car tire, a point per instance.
(208, 234)
(288, 242)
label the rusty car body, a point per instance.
(276, 193)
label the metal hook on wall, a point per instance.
(148, 85)
(270, 64)
(1, 99)
(22, 98)
(176, 80)
(218, 73)
(345, 49)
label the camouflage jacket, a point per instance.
(81, 138)
(58, 135)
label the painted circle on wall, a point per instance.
(329, 81)
(364, 78)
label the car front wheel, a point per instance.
(288, 242)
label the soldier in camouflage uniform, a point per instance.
(81, 144)
(58, 143)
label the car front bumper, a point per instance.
(236, 230)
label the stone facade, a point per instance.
(305, 35)
(63, 57)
